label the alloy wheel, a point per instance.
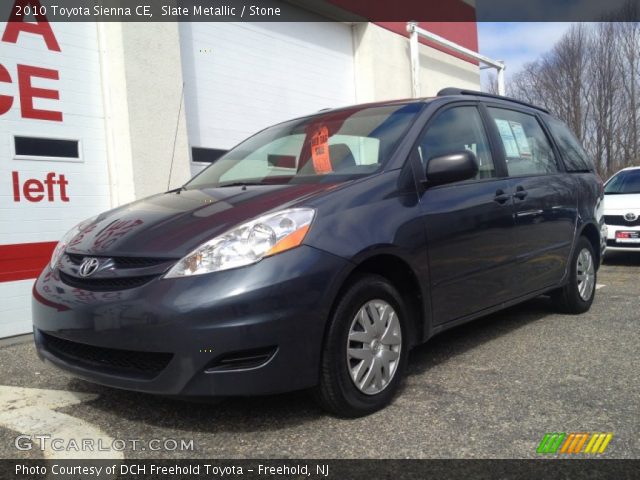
(585, 274)
(373, 347)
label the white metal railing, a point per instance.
(415, 32)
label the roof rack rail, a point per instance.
(461, 91)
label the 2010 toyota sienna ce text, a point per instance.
(318, 252)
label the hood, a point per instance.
(172, 224)
(622, 203)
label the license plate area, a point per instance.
(627, 236)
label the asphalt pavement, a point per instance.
(489, 389)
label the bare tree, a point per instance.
(605, 68)
(490, 85)
(591, 80)
(629, 34)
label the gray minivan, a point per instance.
(318, 252)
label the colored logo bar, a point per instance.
(572, 443)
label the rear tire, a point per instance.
(577, 295)
(366, 349)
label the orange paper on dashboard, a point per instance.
(320, 151)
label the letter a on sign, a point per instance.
(40, 27)
(320, 151)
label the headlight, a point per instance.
(249, 243)
(68, 237)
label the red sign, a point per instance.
(320, 151)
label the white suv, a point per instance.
(622, 210)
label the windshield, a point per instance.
(624, 182)
(331, 147)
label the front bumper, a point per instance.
(278, 307)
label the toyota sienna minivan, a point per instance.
(318, 252)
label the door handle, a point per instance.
(520, 194)
(501, 197)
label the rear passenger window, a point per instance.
(574, 156)
(526, 147)
(456, 130)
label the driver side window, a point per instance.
(455, 130)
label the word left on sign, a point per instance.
(33, 189)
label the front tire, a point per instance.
(577, 295)
(366, 349)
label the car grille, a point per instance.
(109, 360)
(105, 284)
(619, 220)
(124, 272)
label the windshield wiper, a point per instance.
(239, 184)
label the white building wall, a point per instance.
(144, 98)
(383, 66)
(156, 106)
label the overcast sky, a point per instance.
(518, 43)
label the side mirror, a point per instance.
(452, 167)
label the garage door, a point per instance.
(240, 78)
(53, 166)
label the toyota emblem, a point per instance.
(631, 217)
(88, 266)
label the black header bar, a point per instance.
(320, 10)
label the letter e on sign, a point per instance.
(28, 92)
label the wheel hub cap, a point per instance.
(373, 347)
(586, 274)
